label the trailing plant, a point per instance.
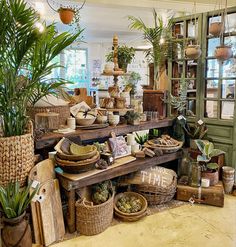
(14, 200)
(125, 56)
(207, 151)
(26, 51)
(180, 102)
(141, 139)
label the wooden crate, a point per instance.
(153, 101)
(214, 195)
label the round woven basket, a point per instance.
(16, 159)
(93, 219)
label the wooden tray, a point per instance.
(165, 149)
(93, 126)
(150, 142)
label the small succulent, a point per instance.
(141, 139)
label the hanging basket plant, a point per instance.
(223, 52)
(193, 51)
(66, 15)
(216, 28)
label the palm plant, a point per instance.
(25, 55)
(160, 37)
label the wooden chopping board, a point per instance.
(41, 172)
(51, 212)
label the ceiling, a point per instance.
(102, 18)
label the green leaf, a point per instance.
(208, 149)
(216, 152)
(202, 158)
(200, 144)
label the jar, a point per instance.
(195, 178)
(185, 164)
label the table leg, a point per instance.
(71, 210)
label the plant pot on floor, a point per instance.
(16, 232)
(17, 158)
(66, 15)
(223, 52)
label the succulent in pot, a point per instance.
(223, 52)
(132, 117)
(14, 201)
(193, 51)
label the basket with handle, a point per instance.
(93, 219)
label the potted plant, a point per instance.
(132, 82)
(216, 28)
(223, 52)
(193, 51)
(25, 67)
(141, 139)
(14, 202)
(125, 56)
(210, 169)
(196, 131)
(66, 15)
(132, 117)
(163, 45)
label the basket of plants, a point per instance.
(166, 143)
(130, 206)
(95, 213)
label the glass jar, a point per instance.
(185, 164)
(195, 178)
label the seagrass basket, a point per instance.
(93, 219)
(64, 112)
(17, 157)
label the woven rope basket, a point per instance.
(64, 112)
(93, 219)
(16, 159)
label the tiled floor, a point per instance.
(185, 226)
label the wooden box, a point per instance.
(153, 100)
(214, 195)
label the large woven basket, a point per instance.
(157, 195)
(93, 219)
(16, 159)
(64, 112)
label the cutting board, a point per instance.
(41, 172)
(51, 212)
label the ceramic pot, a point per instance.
(223, 52)
(113, 119)
(212, 176)
(16, 232)
(216, 28)
(101, 119)
(66, 15)
(193, 51)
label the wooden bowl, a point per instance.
(130, 215)
(85, 121)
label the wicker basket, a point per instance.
(157, 195)
(16, 159)
(93, 219)
(64, 112)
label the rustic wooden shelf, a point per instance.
(50, 139)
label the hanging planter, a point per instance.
(66, 15)
(193, 51)
(223, 52)
(216, 28)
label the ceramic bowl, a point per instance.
(85, 121)
(101, 119)
(113, 119)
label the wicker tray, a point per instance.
(150, 142)
(130, 216)
(165, 149)
(78, 157)
(79, 166)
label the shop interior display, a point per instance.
(72, 165)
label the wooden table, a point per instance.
(71, 182)
(51, 139)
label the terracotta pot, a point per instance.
(212, 176)
(193, 51)
(216, 28)
(223, 52)
(16, 232)
(66, 15)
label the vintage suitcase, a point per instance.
(214, 195)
